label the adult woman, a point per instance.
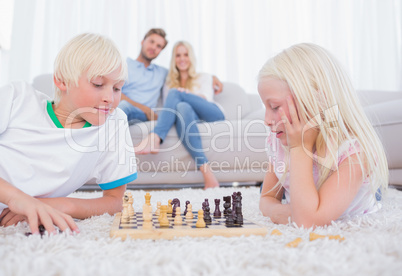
(189, 99)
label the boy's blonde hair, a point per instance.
(321, 87)
(94, 53)
(173, 77)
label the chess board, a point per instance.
(136, 228)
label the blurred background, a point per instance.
(231, 38)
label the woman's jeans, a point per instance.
(185, 110)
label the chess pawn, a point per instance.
(200, 222)
(158, 208)
(189, 214)
(177, 219)
(164, 221)
(169, 207)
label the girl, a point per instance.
(189, 99)
(328, 162)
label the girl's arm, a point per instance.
(20, 205)
(111, 202)
(310, 207)
(270, 200)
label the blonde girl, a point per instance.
(189, 98)
(328, 162)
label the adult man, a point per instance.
(145, 80)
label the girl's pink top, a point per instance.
(364, 202)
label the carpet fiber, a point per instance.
(372, 246)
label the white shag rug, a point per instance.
(372, 246)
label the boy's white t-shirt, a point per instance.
(46, 160)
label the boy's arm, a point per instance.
(151, 115)
(19, 203)
(111, 202)
(270, 200)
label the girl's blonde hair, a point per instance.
(321, 87)
(173, 78)
(89, 52)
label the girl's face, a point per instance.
(94, 100)
(273, 93)
(182, 60)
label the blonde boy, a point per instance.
(50, 149)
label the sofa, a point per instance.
(235, 146)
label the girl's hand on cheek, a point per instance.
(298, 134)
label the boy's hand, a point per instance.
(298, 132)
(25, 207)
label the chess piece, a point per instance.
(185, 210)
(148, 199)
(147, 225)
(217, 213)
(234, 195)
(189, 214)
(147, 212)
(177, 219)
(169, 207)
(158, 208)
(131, 211)
(176, 203)
(226, 205)
(207, 216)
(239, 215)
(200, 222)
(125, 214)
(229, 219)
(164, 221)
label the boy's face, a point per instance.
(152, 46)
(95, 100)
(273, 93)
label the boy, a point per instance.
(50, 149)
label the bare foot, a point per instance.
(149, 145)
(210, 180)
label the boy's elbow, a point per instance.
(115, 205)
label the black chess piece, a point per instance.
(217, 213)
(239, 215)
(187, 203)
(175, 203)
(207, 216)
(226, 205)
(234, 195)
(229, 219)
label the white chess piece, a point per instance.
(189, 214)
(177, 219)
(125, 214)
(158, 208)
(147, 212)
